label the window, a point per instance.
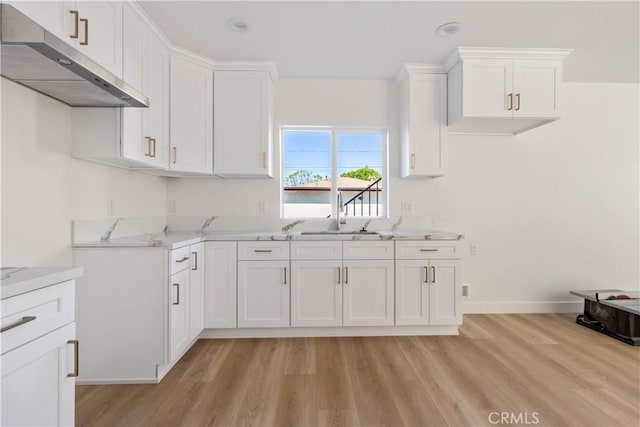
(320, 163)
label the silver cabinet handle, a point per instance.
(510, 102)
(195, 260)
(346, 275)
(426, 274)
(148, 151)
(263, 250)
(153, 145)
(76, 16)
(433, 274)
(25, 319)
(428, 250)
(183, 259)
(339, 278)
(175, 155)
(413, 161)
(285, 276)
(177, 293)
(518, 100)
(76, 358)
(86, 31)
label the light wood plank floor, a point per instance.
(539, 367)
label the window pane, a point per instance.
(360, 171)
(306, 172)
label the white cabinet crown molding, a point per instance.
(502, 53)
(413, 68)
(267, 66)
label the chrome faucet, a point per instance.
(339, 208)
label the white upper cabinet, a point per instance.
(191, 117)
(155, 118)
(243, 104)
(423, 115)
(503, 91)
(93, 27)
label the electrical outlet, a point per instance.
(465, 290)
(262, 207)
(171, 206)
(473, 249)
(110, 207)
(406, 206)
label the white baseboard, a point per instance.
(119, 381)
(345, 331)
(522, 307)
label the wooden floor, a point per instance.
(533, 367)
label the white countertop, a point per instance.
(18, 280)
(174, 240)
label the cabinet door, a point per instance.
(191, 117)
(178, 313)
(368, 293)
(196, 291)
(220, 285)
(242, 108)
(445, 292)
(316, 293)
(412, 292)
(135, 145)
(535, 88)
(36, 388)
(486, 85)
(100, 37)
(426, 152)
(155, 119)
(54, 16)
(263, 294)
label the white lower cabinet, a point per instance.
(368, 293)
(196, 290)
(220, 285)
(263, 294)
(316, 293)
(178, 313)
(428, 292)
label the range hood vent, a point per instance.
(33, 57)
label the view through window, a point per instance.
(319, 163)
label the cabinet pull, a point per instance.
(76, 358)
(510, 102)
(518, 101)
(428, 250)
(433, 274)
(195, 260)
(153, 146)
(263, 250)
(86, 31)
(25, 319)
(264, 160)
(148, 150)
(175, 155)
(413, 161)
(177, 293)
(183, 259)
(285, 276)
(346, 275)
(76, 16)
(426, 274)
(339, 273)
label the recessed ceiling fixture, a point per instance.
(237, 25)
(448, 29)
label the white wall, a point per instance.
(550, 210)
(44, 189)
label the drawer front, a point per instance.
(257, 250)
(179, 259)
(368, 250)
(421, 249)
(34, 314)
(318, 250)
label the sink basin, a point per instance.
(338, 233)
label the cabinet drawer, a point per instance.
(263, 250)
(368, 250)
(316, 250)
(427, 250)
(179, 259)
(37, 313)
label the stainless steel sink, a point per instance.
(338, 233)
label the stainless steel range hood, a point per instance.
(35, 58)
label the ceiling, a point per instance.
(372, 39)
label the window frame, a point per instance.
(335, 131)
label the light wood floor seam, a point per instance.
(539, 367)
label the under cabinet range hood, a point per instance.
(33, 57)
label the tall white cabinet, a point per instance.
(243, 106)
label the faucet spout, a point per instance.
(339, 209)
